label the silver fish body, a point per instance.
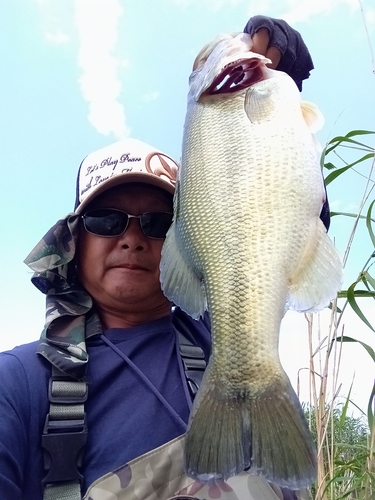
(247, 243)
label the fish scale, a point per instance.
(247, 243)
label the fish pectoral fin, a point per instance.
(318, 277)
(313, 116)
(179, 282)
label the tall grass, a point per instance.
(346, 444)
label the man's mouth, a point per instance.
(132, 267)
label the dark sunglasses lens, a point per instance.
(105, 222)
(156, 224)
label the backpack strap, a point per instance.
(193, 361)
(65, 429)
(64, 437)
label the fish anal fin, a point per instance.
(318, 277)
(179, 282)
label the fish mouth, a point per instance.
(236, 76)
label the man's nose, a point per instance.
(134, 237)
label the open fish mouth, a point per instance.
(236, 76)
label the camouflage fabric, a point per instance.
(70, 317)
(159, 475)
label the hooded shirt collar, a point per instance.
(70, 316)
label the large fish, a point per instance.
(247, 243)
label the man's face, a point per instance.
(122, 273)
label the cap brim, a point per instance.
(127, 178)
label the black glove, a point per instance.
(295, 57)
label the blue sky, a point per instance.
(78, 74)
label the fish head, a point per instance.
(227, 71)
(226, 65)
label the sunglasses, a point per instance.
(110, 222)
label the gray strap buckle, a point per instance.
(65, 431)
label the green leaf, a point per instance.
(358, 408)
(345, 338)
(370, 412)
(329, 166)
(368, 223)
(353, 133)
(343, 294)
(355, 306)
(337, 308)
(369, 279)
(348, 214)
(336, 141)
(333, 175)
(345, 408)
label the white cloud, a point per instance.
(370, 17)
(212, 5)
(297, 11)
(97, 28)
(55, 20)
(151, 96)
(58, 37)
(291, 10)
(97, 24)
(337, 205)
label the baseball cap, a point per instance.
(125, 161)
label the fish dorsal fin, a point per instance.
(312, 115)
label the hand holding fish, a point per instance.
(261, 45)
(278, 41)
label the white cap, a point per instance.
(128, 160)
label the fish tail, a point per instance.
(213, 447)
(267, 433)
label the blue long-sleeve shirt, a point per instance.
(124, 417)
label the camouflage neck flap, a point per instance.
(70, 316)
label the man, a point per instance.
(109, 416)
